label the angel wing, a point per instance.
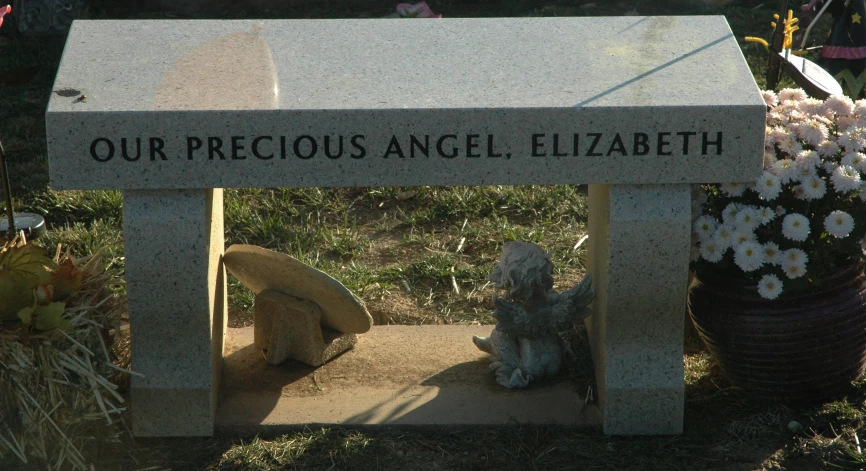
(563, 310)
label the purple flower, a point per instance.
(418, 10)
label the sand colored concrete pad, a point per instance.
(395, 375)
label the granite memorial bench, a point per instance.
(638, 108)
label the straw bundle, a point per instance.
(56, 393)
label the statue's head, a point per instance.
(523, 269)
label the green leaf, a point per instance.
(26, 314)
(27, 262)
(51, 317)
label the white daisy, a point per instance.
(814, 188)
(747, 219)
(705, 226)
(768, 186)
(699, 194)
(766, 214)
(845, 178)
(839, 224)
(794, 271)
(799, 192)
(770, 287)
(771, 253)
(783, 169)
(724, 236)
(749, 256)
(769, 97)
(711, 251)
(793, 257)
(733, 189)
(853, 159)
(729, 214)
(795, 227)
(803, 172)
(741, 235)
(808, 158)
(769, 159)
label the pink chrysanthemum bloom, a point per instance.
(770, 97)
(788, 143)
(844, 123)
(853, 139)
(810, 105)
(811, 131)
(794, 116)
(860, 108)
(791, 94)
(827, 148)
(839, 105)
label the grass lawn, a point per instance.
(403, 250)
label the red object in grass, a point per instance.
(3, 12)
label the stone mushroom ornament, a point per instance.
(300, 313)
(525, 343)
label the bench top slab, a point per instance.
(196, 94)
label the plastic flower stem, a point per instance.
(7, 193)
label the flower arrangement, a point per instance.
(806, 214)
(417, 10)
(4, 10)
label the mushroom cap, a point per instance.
(259, 269)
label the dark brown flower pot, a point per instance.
(799, 349)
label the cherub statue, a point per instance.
(526, 342)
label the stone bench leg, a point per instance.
(639, 238)
(177, 308)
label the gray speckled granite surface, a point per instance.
(223, 83)
(639, 238)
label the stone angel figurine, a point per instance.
(525, 342)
